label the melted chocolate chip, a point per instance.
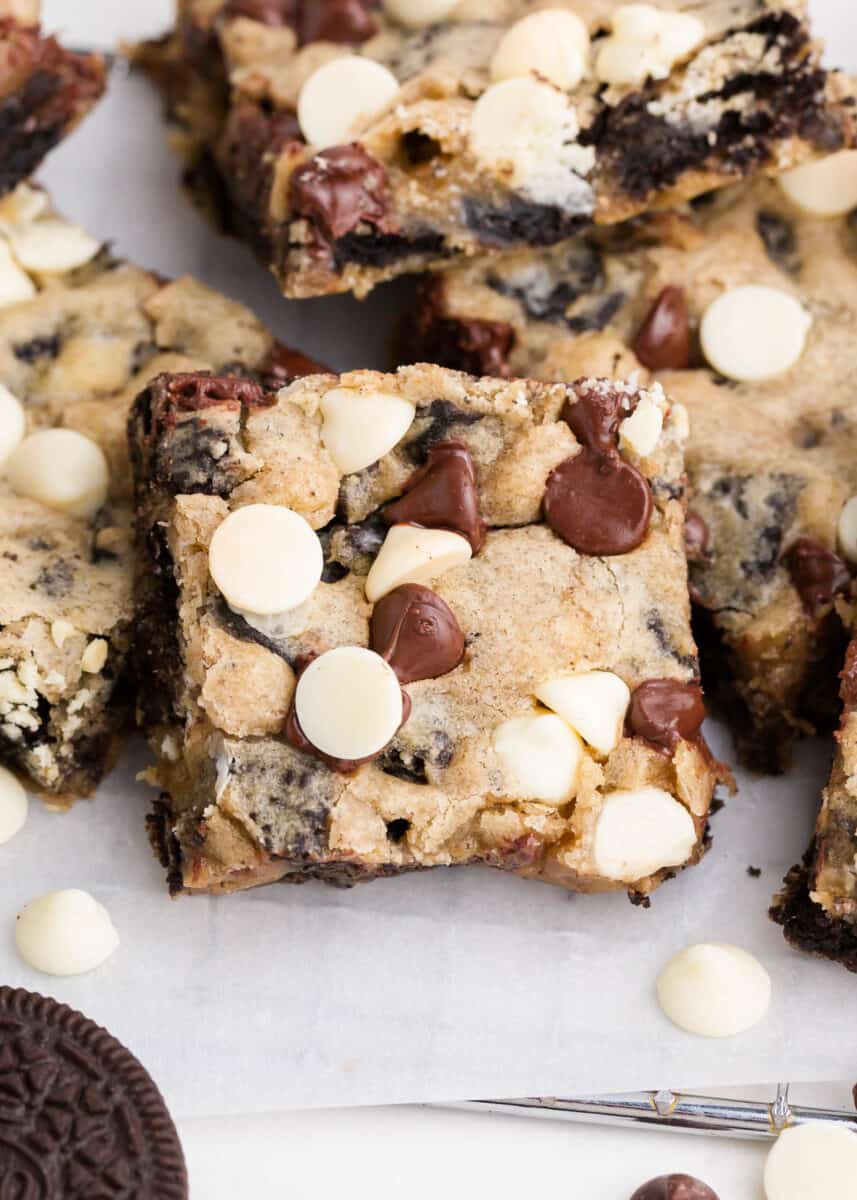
(347, 21)
(442, 495)
(817, 573)
(665, 712)
(339, 188)
(664, 341)
(473, 345)
(417, 633)
(196, 390)
(596, 502)
(697, 538)
(674, 1187)
(296, 737)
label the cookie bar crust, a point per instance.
(76, 346)
(769, 461)
(45, 91)
(245, 802)
(415, 187)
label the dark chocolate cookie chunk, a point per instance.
(80, 1118)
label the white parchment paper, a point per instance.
(440, 986)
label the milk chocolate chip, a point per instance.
(417, 633)
(339, 188)
(442, 495)
(674, 1187)
(697, 538)
(817, 573)
(284, 365)
(596, 502)
(665, 712)
(335, 21)
(664, 341)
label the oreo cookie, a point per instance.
(80, 1118)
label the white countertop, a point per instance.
(421, 1152)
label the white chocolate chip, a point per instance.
(65, 933)
(281, 625)
(641, 431)
(15, 284)
(13, 806)
(52, 246)
(358, 428)
(825, 188)
(411, 554)
(754, 332)
(817, 1161)
(23, 205)
(61, 631)
(525, 131)
(13, 423)
(552, 43)
(714, 990)
(593, 703)
(265, 559)
(641, 831)
(349, 703)
(416, 13)
(342, 97)
(646, 41)
(540, 756)
(846, 529)
(62, 469)
(94, 656)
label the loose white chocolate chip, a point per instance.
(817, 1161)
(525, 130)
(342, 97)
(646, 41)
(13, 423)
(61, 631)
(65, 933)
(540, 756)
(552, 43)
(825, 188)
(714, 990)
(358, 427)
(641, 431)
(13, 806)
(52, 246)
(593, 703)
(754, 332)
(62, 469)
(349, 702)
(411, 554)
(846, 529)
(265, 559)
(641, 831)
(416, 13)
(94, 656)
(15, 284)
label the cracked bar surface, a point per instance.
(247, 800)
(769, 462)
(45, 91)
(74, 354)
(413, 189)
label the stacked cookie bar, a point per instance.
(403, 621)
(349, 143)
(81, 332)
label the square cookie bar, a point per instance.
(351, 142)
(45, 91)
(818, 905)
(80, 333)
(745, 306)
(412, 620)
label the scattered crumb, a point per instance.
(754, 872)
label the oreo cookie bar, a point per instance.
(403, 621)
(745, 306)
(352, 142)
(45, 91)
(818, 905)
(81, 332)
